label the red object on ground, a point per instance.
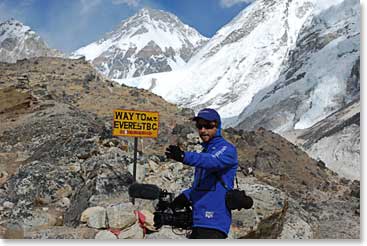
(141, 218)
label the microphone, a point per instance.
(144, 191)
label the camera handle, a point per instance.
(164, 201)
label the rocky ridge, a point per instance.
(63, 175)
(335, 140)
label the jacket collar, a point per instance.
(212, 141)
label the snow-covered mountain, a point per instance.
(151, 41)
(243, 57)
(315, 101)
(320, 76)
(18, 41)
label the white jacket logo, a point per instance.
(221, 151)
(209, 214)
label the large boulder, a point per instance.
(95, 217)
(120, 215)
(133, 232)
(266, 218)
(105, 235)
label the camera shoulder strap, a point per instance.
(222, 182)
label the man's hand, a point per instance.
(174, 152)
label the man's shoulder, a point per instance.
(223, 141)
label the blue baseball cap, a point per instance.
(208, 114)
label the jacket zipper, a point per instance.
(199, 175)
(200, 170)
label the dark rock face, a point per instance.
(353, 83)
(150, 60)
(79, 203)
(331, 125)
(356, 189)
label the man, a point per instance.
(218, 160)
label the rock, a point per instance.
(95, 217)
(166, 233)
(8, 204)
(152, 166)
(193, 138)
(64, 191)
(105, 235)
(133, 232)
(86, 214)
(74, 167)
(106, 200)
(61, 232)
(40, 219)
(296, 228)
(176, 167)
(13, 231)
(2, 231)
(140, 171)
(3, 177)
(64, 202)
(355, 189)
(148, 219)
(265, 219)
(79, 202)
(110, 170)
(120, 215)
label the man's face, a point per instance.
(207, 129)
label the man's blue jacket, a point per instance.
(207, 194)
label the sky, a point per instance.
(67, 25)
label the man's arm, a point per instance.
(225, 157)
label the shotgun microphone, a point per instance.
(145, 191)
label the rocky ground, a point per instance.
(63, 175)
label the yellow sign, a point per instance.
(133, 123)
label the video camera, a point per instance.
(165, 213)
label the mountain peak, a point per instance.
(13, 26)
(12, 21)
(152, 17)
(150, 41)
(150, 11)
(18, 41)
(155, 13)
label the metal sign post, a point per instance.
(135, 161)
